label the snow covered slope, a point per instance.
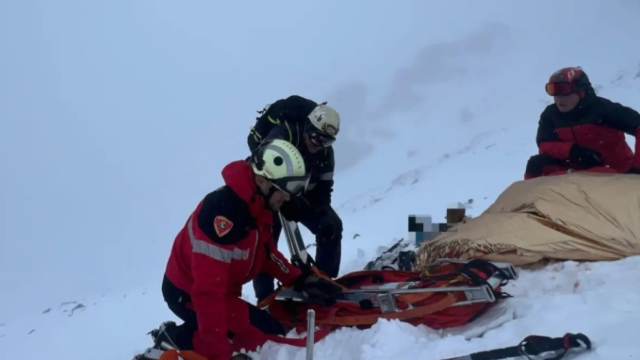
(430, 118)
(598, 299)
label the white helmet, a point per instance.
(281, 163)
(326, 125)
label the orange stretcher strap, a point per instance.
(320, 274)
(355, 320)
(417, 297)
(269, 299)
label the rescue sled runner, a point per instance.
(449, 293)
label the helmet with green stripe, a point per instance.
(281, 163)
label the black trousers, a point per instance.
(179, 302)
(328, 252)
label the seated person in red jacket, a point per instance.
(225, 243)
(582, 131)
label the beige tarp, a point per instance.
(579, 216)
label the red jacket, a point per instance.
(225, 243)
(598, 124)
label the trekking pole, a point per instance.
(534, 347)
(311, 332)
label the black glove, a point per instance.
(584, 157)
(633, 170)
(294, 209)
(317, 288)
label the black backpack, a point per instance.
(293, 109)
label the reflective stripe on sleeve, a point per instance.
(212, 250)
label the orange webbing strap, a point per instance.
(269, 299)
(354, 320)
(181, 355)
(413, 298)
(322, 275)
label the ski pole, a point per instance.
(311, 332)
(534, 347)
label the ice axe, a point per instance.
(299, 255)
(534, 347)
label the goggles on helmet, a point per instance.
(560, 88)
(321, 139)
(293, 185)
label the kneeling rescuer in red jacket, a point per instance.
(224, 244)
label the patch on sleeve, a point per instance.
(222, 225)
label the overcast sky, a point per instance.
(117, 116)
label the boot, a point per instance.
(166, 337)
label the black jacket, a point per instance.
(321, 164)
(293, 109)
(286, 119)
(596, 123)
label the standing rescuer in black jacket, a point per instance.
(312, 128)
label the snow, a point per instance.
(447, 117)
(597, 299)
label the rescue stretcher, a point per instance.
(449, 293)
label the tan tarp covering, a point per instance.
(579, 216)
